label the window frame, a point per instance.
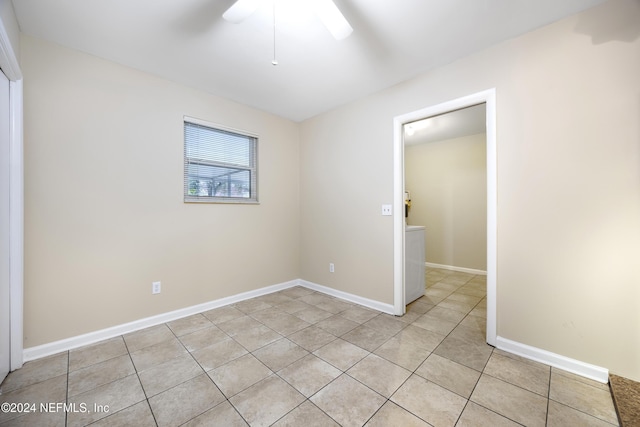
(253, 169)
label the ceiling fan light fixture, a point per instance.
(332, 18)
(410, 130)
(241, 10)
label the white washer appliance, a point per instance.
(414, 259)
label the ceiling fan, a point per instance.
(326, 10)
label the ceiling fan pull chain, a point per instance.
(275, 61)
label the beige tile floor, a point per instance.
(302, 358)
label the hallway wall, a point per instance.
(448, 184)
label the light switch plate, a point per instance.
(386, 210)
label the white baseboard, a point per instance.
(557, 361)
(454, 268)
(366, 302)
(48, 349)
(571, 365)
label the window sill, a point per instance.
(220, 200)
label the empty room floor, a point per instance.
(301, 358)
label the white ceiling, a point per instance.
(188, 42)
(456, 124)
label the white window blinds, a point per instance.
(219, 165)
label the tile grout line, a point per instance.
(459, 323)
(548, 398)
(66, 415)
(481, 372)
(205, 372)
(414, 372)
(484, 367)
(126, 346)
(275, 373)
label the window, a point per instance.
(220, 165)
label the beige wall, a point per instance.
(448, 184)
(346, 175)
(104, 215)
(568, 144)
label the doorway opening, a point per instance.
(488, 98)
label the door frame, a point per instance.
(489, 98)
(11, 68)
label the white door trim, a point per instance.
(11, 68)
(8, 60)
(16, 223)
(488, 97)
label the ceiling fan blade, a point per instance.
(240, 10)
(332, 18)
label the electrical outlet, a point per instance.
(386, 210)
(156, 287)
(331, 268)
